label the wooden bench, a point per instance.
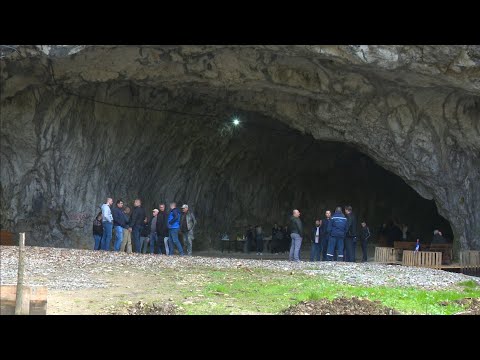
(470, 261)
(445, 249)
(404, 245)
(385, 255)
(7, 238)
(429, 259)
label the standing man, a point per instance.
(337, 229)
(187, 224)
(144, 236)
(162, 229)
(138, 217)
(119, 224)
(107, 223)
(364, 236)
(173, 228)
(296, 233)
(127, 233)
(316, 242)
(259, 239)
(351, 236)
(249, 235)
(153, 232)
(324, 234)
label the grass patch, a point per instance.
(264, 291)
(469, 284)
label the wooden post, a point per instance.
(21, 268)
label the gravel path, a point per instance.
(69, 269)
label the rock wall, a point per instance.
(79, 123)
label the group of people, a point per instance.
(333, 238)
(254, 238)
(159, 234)
(393, 230)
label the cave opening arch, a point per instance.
(61, 154)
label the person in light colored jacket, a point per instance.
(107, 223)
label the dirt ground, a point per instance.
(340, 306)
(126, 289)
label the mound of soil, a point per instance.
(340, 306)
(472, 305)
(141, 308)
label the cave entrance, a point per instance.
(258, 171)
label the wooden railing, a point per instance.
(385, 255)
(470, 261)
(430, 259)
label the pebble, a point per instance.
(71, 269)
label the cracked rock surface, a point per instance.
(80, 122)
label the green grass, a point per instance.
(262, 291)
(469, 284)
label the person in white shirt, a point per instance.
(107, 222)
(316, 242)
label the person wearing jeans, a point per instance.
(153, 233)
(162, 230)
(173, 228)
(296, 232)
(97, 231)
(107, 223)
(119, 224)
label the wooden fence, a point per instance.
(385, 255)
(470, 262)
(430, 259)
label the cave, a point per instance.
(379, 128)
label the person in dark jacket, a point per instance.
(173, 228)
(144, 236)
(119, 223)
(394, 233)
(364, 236)
(162, 229)
(351, 235)
(296, 233)
(337, 229)
(97, 231)
(316, 241)
(249, 236)
(324, 234)
(153, 233)
(438, 238)
(277, 239)
(137, 222)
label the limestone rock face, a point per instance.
(79, 123)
